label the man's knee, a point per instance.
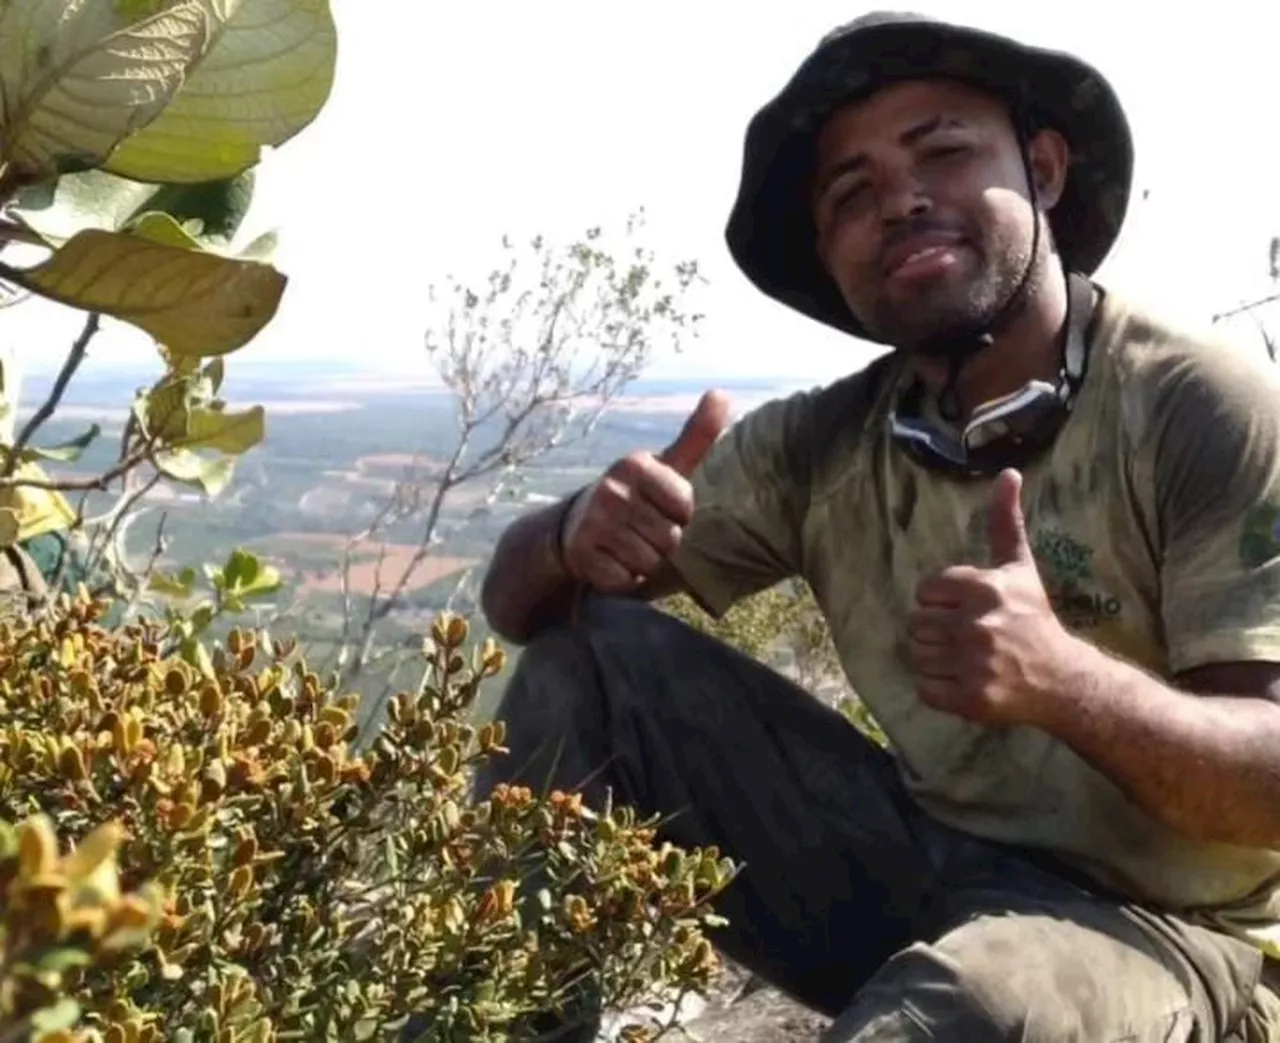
(612, 641)
(1029, 977)
(927, 993)
(568, 683)
(573, 658)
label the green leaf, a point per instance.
(166, 413)
(202, 616)
(64, 452)
(227, 432)
(57, 210)
(241, 565)
(77, 79)
(187, 467)
(266, 75)
(155, 277)
(246, 575)
(162, 410)
(62, 1015)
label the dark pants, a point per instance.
(851, 899)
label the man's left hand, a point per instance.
(985, 642)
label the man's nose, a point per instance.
(902, 197)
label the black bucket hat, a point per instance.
(770, 232)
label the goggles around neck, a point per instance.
(1007, 431)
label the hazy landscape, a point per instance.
(336, 446)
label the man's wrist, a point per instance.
(560, 532)
(1068, 685)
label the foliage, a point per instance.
(532, 356)
(783, 627)
(307, 890)
(232, 588)
(62, 914)
(128, 143)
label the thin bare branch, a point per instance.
(532, 357)
(79, 349)
(1251, 306)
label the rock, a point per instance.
(739, 1009)
(765, 1016)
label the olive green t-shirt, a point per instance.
(1155, 520)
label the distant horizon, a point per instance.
(122, 366)
(292, 380)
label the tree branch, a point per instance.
(69, 366)
(1270, 299)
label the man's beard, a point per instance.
(948, 321)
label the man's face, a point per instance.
(921, 204)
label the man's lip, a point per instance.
(900, 253)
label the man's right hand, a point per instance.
(621, 529)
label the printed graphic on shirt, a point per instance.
(1260, 541)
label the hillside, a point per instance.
(336, 448)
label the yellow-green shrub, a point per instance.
(311, 891)
(61, 912)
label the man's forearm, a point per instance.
(1207, 765)
(526, 587)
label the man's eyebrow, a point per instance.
(913, 135)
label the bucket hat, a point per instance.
(770, 232)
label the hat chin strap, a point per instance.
(959, 349)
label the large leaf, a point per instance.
(155, 277)
(77, 78)
(57, 210)
(193, 469)
(227, 432)
(267, 74)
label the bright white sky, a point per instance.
(453, 123)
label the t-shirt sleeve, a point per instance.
(1214, 454)
(749, 493)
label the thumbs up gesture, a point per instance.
(984, 642)
(621, 529)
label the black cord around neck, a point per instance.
(949, 405)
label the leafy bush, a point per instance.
(129, 141)
(277, 882)
(308, 890)
(61, 913)
(783, 628)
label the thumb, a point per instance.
(705, 424)
(1006, 527)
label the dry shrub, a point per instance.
(290, 886)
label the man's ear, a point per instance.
(1050, 156)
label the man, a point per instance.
(1044, 532)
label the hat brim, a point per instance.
(770, 232)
